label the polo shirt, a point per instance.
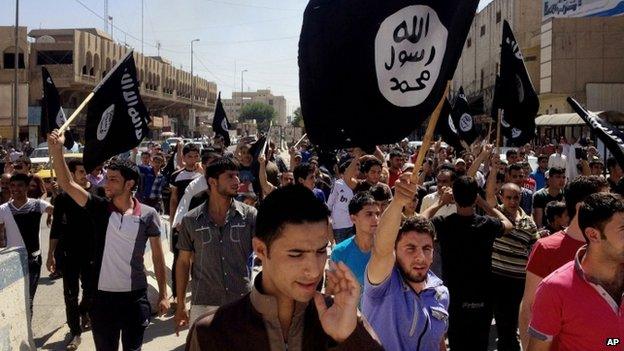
(350, 254)
(27, 219)
(576, 313)
(540, 179)
(552, 252)
(120, 241)
(404, 319)
(220, 271)
(511, 251)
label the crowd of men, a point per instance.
(349, 252)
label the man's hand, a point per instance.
(339, 320)
(447, 196)
(292, 151)
(181, 318)
(56, 140)
(437, 146)
(404, 190)
(261, 159)
(51, 264)
(163, 305)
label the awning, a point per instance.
(559, 119)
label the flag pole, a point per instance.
(501, 113)
(433, 121)
(90, 96)
(300, 140)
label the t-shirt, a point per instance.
(511, 251)
(540, 179)
(120, 241)
(541, 199)
(247, 179)
(576, 313)
(552, 252)
(28, 220)
(466, 244)
(393, 176)
(72, 225)
(319, 194)
(181, 179)
(350, 254)
(338, 204)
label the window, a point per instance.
(482, 30)
(469, 42)
(9, 60)
(482, 76)
(498, 16)
(55, 57)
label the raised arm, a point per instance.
(267, 187)
(493, 212)
(485, 153)
(490, 186)
(352, 170)
(64, 179)
(445, 199)
(382, 258)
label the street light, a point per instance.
(192, 79)
(242, 79)
(15, 77)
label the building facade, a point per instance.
(79, 58)
(233, 106)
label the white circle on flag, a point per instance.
(224, 124)
(504, 123)
(465, 122)
(451, 124)
(105, 122)
(515, 133)
(60, 117)
(409, 50)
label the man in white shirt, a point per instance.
(558, 159)
(338, 204)
(445, 179)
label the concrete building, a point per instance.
(79, 58)
(233, 106)
(7, 48)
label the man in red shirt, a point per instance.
(558, 249)
(579, 306)
(397, 159)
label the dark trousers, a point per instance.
(176, 252)
(115, 314)
(77, 270)
(469, 323)
(34, 272)
(506, 305)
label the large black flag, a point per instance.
(610, 135)
(259, 147)
(220, 123)
(52, 114)
(516, 135)
(117, 119)
(464, 122)
(372, 71)
(447, 128)
(519, 99)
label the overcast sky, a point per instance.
(259, 36)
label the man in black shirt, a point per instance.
(466, 241)
(71, 238)
(556, 180)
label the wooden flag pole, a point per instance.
(501, 114)
(75, 114)
(300, 140)
(424, 148)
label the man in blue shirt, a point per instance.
(539, 175)
(356, 250)
(405, 303)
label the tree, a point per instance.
(262, 113)
(297, 118)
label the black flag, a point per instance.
(117, 119)
(610, 135)
(464, 122)
(518, 98)
(373, 71)
(220, 123)
(260, 146)
(52, 114)
(447, 128)
(516, 135)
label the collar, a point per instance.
(136, 211)
(578, 269)
(432, 282)
(235, 206)
(267, 304)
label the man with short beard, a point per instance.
(216, 236)
(399, 288)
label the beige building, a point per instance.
(7, 63)
(79, 58)
(480, 59)
(233, 106)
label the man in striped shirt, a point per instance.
(509, 258)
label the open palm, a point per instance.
(339, 320)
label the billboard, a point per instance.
(582, 8)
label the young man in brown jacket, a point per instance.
(292, 234)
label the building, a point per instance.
(7, 64)
(79, 58)
(233, 106)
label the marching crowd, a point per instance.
(356, 250)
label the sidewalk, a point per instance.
(159, 336)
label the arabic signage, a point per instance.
(582, 8)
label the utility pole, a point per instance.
(241, 105)
(192, 82)
(106, 17)
(15, 76)
(112, 28)
(158, 47)
(142, 8)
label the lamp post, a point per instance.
(192, 81)
(242, 80)
(15, 77)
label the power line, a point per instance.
(252, 6)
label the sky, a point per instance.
(259, 36)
